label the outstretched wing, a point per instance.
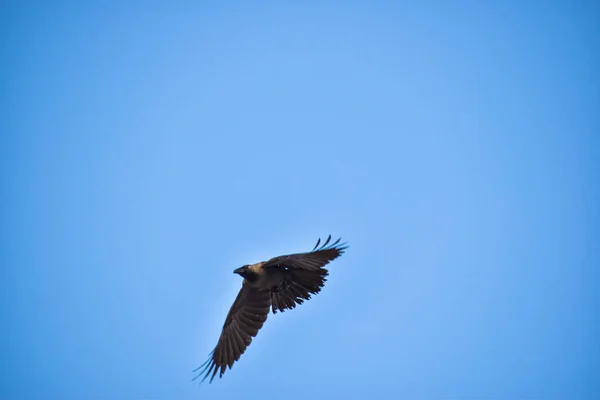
(314, 260)
(304, 274)
(245, 318)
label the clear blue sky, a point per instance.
(149, 150)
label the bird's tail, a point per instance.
(298, 287)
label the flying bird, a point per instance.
(279, 284)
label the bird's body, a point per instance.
(278, 284)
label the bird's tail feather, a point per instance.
(298, 287)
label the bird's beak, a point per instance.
(239, 270)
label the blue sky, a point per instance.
(149, 150)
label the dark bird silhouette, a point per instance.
(280, 284)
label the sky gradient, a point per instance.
(147, 150)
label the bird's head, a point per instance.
(241, 271)
(247, 273)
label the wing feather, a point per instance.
(313, 260)
(245, 318)
(305, 273)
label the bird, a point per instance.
(279, 284)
